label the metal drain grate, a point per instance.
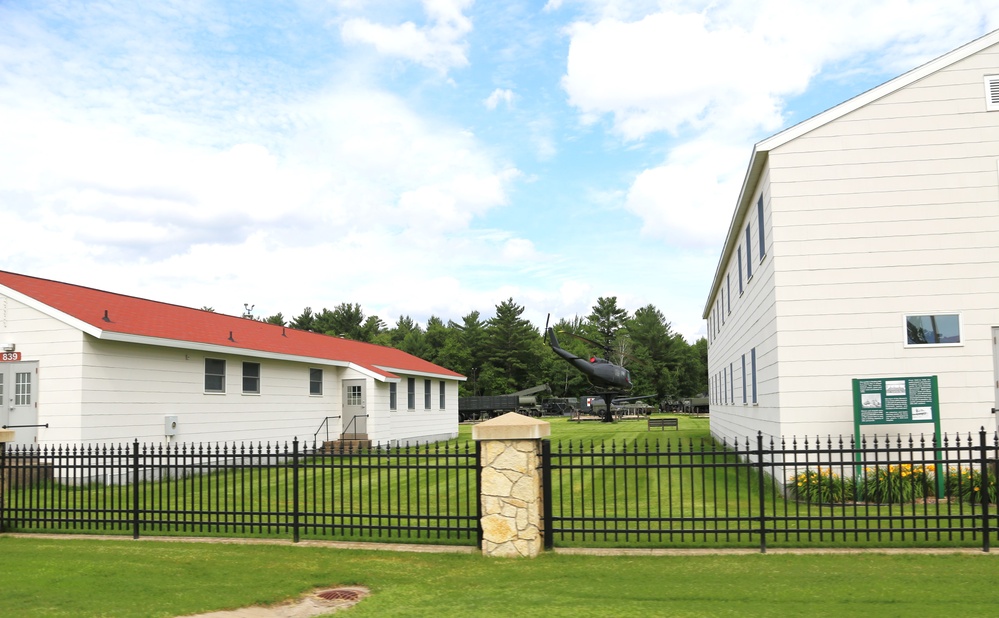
(340, 594)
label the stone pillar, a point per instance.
(511, 485)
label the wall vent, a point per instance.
(992, 93)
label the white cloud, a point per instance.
(440, 45)
(716, 77)
(499, 95)
(688, 201)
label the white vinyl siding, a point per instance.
(888, 211)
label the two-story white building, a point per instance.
(865, 243)
(81, 365)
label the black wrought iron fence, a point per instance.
(426, 493)
(878, 492)
(874, 493)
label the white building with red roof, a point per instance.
(85, 365)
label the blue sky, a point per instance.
(418, 158)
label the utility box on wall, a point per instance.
(170, 425)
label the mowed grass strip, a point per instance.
(85, 577)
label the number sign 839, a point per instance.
(10, 356)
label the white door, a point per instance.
(18, 400)
(995, 375)
(355, 421)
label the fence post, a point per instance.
(546, 494)
(294, 489)
(510, 491)
(763, 498)
(984, 463)
(6, 435)
(135, 489)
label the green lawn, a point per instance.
(85, 577)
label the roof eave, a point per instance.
(52, 312)
(422, 374)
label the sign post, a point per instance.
(898, 401)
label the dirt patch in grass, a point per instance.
(319, 602)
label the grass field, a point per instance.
(85, 578)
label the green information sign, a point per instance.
(897, 401)
(885, 401)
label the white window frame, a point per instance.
(255, 391)
(313, 382)
(411, 393)
(443, 391)
(960, 329)
(393, 396)
(219, 391)
(427, 393)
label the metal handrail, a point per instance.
(325, 423)
(356, 416)
(46, 425)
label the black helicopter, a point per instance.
(611, 381)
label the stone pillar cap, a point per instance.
(511, 426)
(6, 435)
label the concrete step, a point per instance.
(342, 447)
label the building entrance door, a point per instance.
(995, 374)
(18, 398)
(355, 415)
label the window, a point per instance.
(393, 396)
(426, 394)
(728, 290)
(939, 329)
(743, 379)
(752, 355)
(749, 256)
(442, 394)
(759, 225)
(22, 388)
(722, 307)
(411, 393)
(315, 381)
(355, 396)
(724, 383)
(251, 378)
(740, 271)
(214, 375)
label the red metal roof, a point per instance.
(147, 318)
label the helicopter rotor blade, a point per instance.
(587, 340)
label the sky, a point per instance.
(417, 158)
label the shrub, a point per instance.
(896, 483)
(966, 485)
(821, 485)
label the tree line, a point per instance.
(506, 352)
